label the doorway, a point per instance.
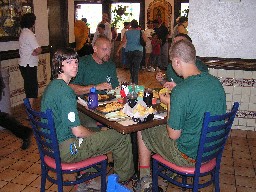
(58, 25)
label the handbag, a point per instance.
(142, 42)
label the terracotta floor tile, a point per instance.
(25, 178)
(35, 169)
(238, 133)
(226, 169)
(245, 171)
(227, 179)
(7, 162)
(246, 181)
(31, 189)
(9, 174)
(251, 134)
(245, 189)
(11, 187)
(252, 142)
(3, 183)
(227, 188)
(243, 162)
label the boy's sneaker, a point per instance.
(89, 186)
(149, 69)
(143, 185)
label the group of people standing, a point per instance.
(194, 91)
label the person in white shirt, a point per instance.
(29, 50)
(127, 25)
(100, 32)
(107, 31)
(148, 32)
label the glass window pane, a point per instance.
(92, 12)
(133, 8)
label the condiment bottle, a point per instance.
(93, 98)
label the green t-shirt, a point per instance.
(189, 101)
(170, 73)
(92, 73)
(61, 99)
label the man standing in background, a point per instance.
(162, 33)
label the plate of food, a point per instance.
(110, 107)
(103, 97)
(116, 115)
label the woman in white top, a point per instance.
(29, 50)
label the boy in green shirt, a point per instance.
(61, 99)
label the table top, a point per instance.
(117, 126)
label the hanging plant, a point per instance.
(119, 14)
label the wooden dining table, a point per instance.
(124, 129)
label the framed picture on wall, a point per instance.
(10, 14)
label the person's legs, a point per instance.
(136, 58)
(147, 61)
(144, 157)
(29, 75)
(123, 58)
(164, 55)
(101, 143)
(129, 63)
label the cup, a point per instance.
(147, 98)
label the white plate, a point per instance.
(114, 116)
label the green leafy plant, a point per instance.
(119, 15)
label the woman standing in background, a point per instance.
(133, 49)
(29, 50)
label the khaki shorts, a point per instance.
(157, 140)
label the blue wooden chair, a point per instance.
(211, 146)
(114, 186)
(46, 138)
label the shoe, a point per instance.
(25, 144)
(143, 68)
(149, 69)
(143, 185)
(158, 69)
(152, 69)
(89, 186)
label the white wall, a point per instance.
(223, 29)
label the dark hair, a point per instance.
(184, 35)
(126, 23)
(84, 20)
(101, 25)
(184, 50)
(134, 23)
(59, 56)
(27, 20)
(182, 19)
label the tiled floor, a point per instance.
(20, 169)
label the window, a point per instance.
(92, 12)
(133, 8)
(184, 9)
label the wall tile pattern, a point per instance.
(17, 93)
(240, 86)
